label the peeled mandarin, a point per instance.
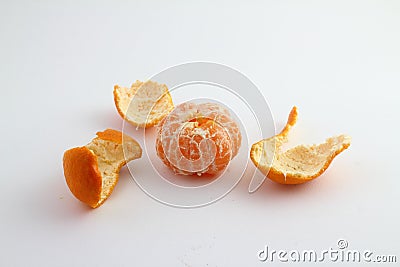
(198, 139)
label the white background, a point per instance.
(338, 61)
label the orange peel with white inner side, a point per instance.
(297, 165)
(144, 104)
(92, 171)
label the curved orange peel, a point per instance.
(92, 171)
(144, 104)
(297, 165)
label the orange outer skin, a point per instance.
(111, 135)
(82, 173)
(277, 175)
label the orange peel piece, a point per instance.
(297, 165)
(92, 171)
(144, 104)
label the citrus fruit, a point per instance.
(198, 138)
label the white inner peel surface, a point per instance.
(143, 102)
(302, 160)
(110, 157)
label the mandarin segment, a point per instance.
(111, 135)
(297, 165)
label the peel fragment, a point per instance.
(92, 171)
(144, 104)
(297, 165)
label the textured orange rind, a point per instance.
(144, 104)
(92, 171)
